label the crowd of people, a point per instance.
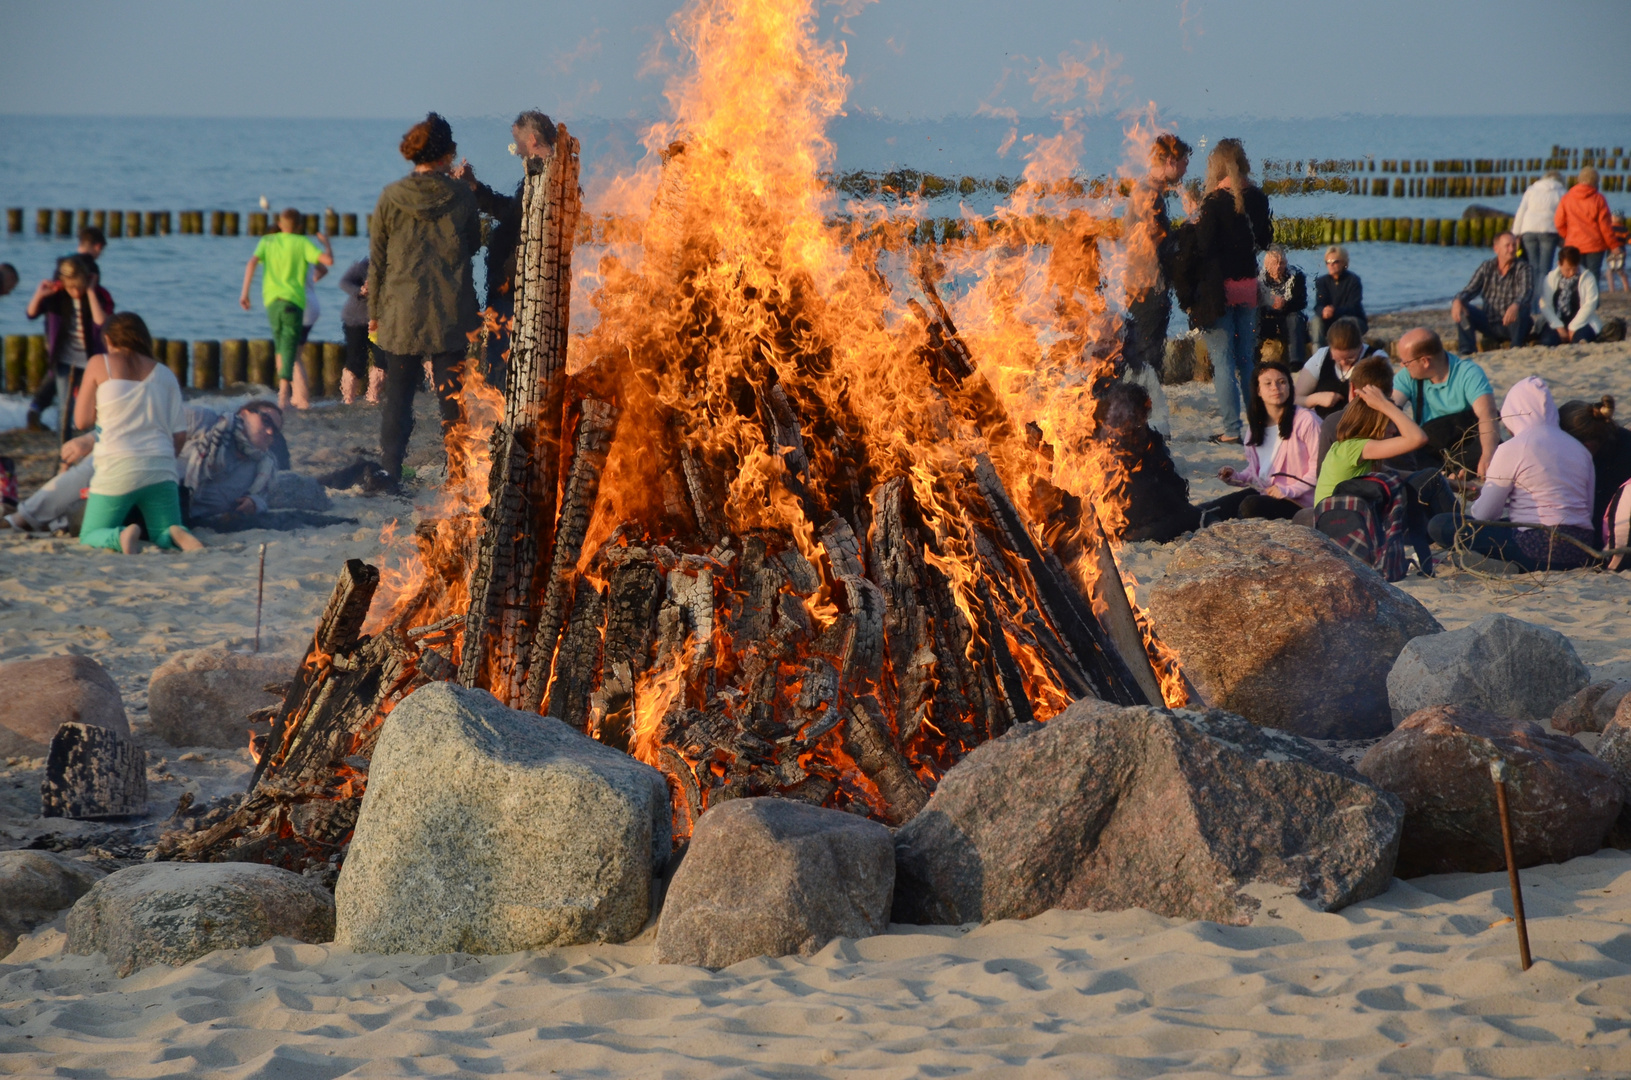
(1333, 435)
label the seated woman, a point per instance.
(1568, 303)
(1282, 446)
(134, 402)
(1283, 300)
(1608, 443)
(1362, 441)
(1157, 496)
(1322, 384)
(1540, 476)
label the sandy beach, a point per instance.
(1421, 980)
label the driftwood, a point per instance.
(93, 772)
(506, 586)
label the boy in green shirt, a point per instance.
(283, 290)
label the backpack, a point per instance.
(1367, 517)
(1617, 526)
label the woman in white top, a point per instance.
(135, 404)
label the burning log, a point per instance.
(868, 739)
(505, 594)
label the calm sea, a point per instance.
(187, 286)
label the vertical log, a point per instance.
(520, 516)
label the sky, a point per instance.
(907, 58)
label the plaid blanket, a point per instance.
(1366, 517)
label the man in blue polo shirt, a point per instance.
(1450, 397)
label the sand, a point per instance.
(1422, 980)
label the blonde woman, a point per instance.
(1338, 294)
(1220, 276)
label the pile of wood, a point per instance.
(849, 667)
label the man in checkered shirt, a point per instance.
(1507, 285)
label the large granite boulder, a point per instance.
(200, 697)
(488, 830)
(1614, 750)
(1274, 622)
(1562, 800)
(1105, 808)
(773, 877)
(1500, 664)
(42, 695)
(34, 886)
(1592, 708)
(173, 913)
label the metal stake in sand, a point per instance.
(1498, 771)
(260, 590)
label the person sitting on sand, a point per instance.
(1338, 294)
(1568, 303)
(226, 464)
(1282, 442)
(1363, 374)
(1450, 398)
(1362, 441)
(1592, 423)
(1156, 495)
(1540, 476)
(1284, 292)
(1322, 384)
(1506, 284)
(134, 402)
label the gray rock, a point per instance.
(294, 491)
(34, 886)
(201, 697)
(1499, 664)
(1592, 708)
(1274, 622)
(489, 830)
(773, 877)
(42, 695)
(1562, 800)
(1104, 808)
(1614, 749)
(93, 773)
(173, 913)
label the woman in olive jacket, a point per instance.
(421, 296)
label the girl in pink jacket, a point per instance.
(1282, 453)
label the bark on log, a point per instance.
(593, 440)
(93, 772)
(867, 736)
(520, 517)
(578, 664)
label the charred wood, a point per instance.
(578, 662)
(867, 736)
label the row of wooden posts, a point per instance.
(202, 365)
(119, 223)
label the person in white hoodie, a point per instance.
(1534, 222)
(1568, 303)
(1540, 476)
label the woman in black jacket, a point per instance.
(1221, 275)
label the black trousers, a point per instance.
(358, 351)
(1248, 503)
(1149, 315)
(402, 378)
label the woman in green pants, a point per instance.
(135, 404)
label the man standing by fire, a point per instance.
(1147, 232)
(534, 135)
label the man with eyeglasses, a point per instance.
(1450, 398)
(1506, 284)
(1338, 294)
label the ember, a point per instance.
(782, 529)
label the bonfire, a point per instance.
(810, 510)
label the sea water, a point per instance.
(188, 286)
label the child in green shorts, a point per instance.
(287, 254)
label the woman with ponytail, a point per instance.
(1592, 422)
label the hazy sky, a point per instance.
(908, 58)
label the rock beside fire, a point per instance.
(1276, 623)
(489, 830)
(34, 886)
(1592, 709)
(773, 877)
(1614, 750)
(173, 913)
(92, 772)
(1562, 800)
(1106, 808)
(42, 695)
(1500, 664)
(201, 697)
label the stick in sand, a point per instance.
(260, 591)
(1498, 771)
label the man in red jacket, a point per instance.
(1584, 222)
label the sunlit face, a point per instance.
(527, 144)
(261, 427)
(1275, 264)
(1568, 269)
(75, 287)
(1505, 248)
(1334, 265)
(1346, 358)
(1274, 388)
(1169, 171)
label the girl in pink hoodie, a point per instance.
(1540, 476)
